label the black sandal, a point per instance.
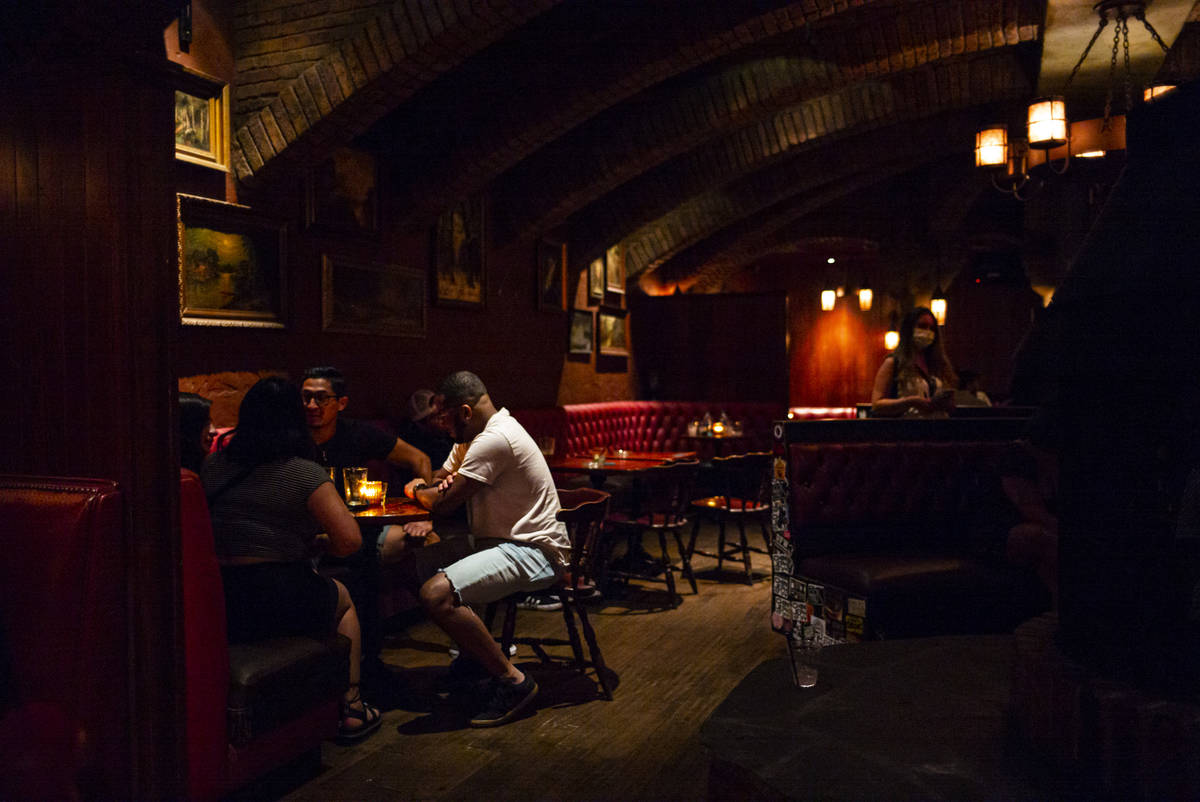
(369, 719)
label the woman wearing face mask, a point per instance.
(915, 379)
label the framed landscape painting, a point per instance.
(202, 120)
(551, 275)
(611, 333)
(615, 269)
(230, 265)
(368, 298)
(580, 332)
(596, 279)
(458, 255)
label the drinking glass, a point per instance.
(546, 444)
(598, 453)
(802, 649)
(352, 482)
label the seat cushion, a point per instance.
(274, 681)
(874, 574)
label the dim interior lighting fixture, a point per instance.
(937, 305)
(828, 299)
(865, 297)
(830, 261)
(891, 337)
(1152, 93)
(1047, 126)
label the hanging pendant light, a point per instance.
(991, 146)
(891, 338)
(865, 298)
(1047, 123)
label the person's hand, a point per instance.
(943, 401)
(319, 545)
(919, 404)
(418, 529)
(444, 485)
(410, 489)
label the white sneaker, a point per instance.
(540, 601)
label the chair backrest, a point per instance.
(743, 478)
(583, 511)
(665, 491)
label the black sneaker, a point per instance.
(504, 701)
(547, 602)
(463, 675)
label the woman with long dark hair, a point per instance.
(195, 430)
(269, 501)
(916, 379)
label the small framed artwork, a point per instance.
(370, 298)
(202, 120)
(610, 332)
(458, 255)
(596, 279)
(342, 193)
(551, 275)
(230, 265)
(614, 272)
(580, 332)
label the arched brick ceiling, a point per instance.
(834, 65)
(690, 131)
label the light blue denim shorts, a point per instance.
(499, 568)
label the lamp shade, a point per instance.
(828, 299)
(1047, 127)
(865, 297)
(937, 305)
(891, 339)
(991, 146)
(1156, 91)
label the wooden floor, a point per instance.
(672, 666)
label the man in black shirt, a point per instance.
(346, 443)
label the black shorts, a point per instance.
(263, 600)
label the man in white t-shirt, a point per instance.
(498, 471)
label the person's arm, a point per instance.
(450, 493)
(328, 508)
(414, 458)
(893, 407)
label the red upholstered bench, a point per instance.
(254, 706)
(643, 425)
(916, 529)
(64, 618)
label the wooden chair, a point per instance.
(583, 511)
(659, 503)
(741, 482)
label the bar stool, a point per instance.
(660, 504)
(583, 511)
(741, 481)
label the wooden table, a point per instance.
(395, 511)
(629, 462)
(715, 439)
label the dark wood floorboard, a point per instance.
(673, 667)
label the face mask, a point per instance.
(923, 338)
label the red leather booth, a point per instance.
(250, 707)
(644, 425)
(64, 617)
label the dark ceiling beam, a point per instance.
(669, 119)
(560, 71)
(672, 206)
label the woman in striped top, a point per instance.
(269, 502)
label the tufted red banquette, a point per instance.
(916, 528)
(64, 619)
(643, 425)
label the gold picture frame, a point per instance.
(202, 120)
(231, 265)
(359, 297)
(614, 269)
(612, 336)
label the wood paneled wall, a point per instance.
(89, 329)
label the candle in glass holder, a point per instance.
(353, 480)
(371, 492)
(718, 428)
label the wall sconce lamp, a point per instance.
(828, 299)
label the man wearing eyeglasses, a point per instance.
(347, 443)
